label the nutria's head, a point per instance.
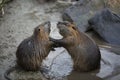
(67, 29)
(43, 30)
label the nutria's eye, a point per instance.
(38, 29)
(74, 28)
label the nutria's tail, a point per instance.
(8, 72)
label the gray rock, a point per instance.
(107, 25)
(114, 5)
(24, 75)
(81, 12)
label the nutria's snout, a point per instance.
(65, 23)
(61, 24)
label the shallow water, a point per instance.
(22, 16)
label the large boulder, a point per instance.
(81, 12)
(107, 25)
(114, 5)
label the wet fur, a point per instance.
(31, 51)
(83, 50)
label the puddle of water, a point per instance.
(59, 64)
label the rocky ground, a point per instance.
(20, 18)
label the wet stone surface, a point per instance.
(106, 23)
(81, 12)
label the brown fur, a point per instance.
(83, 50)
(33, 50)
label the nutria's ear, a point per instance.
(74, 28)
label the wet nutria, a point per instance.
(83, 50)
(31, 51)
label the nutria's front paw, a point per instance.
(55, 42)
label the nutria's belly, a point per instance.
(30, 64)
(84, 60)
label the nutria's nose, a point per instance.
(63, 22)
(59, 23)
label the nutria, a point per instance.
(83, 50)
(31, 51)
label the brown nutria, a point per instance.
(31, 51)
(83, 50)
